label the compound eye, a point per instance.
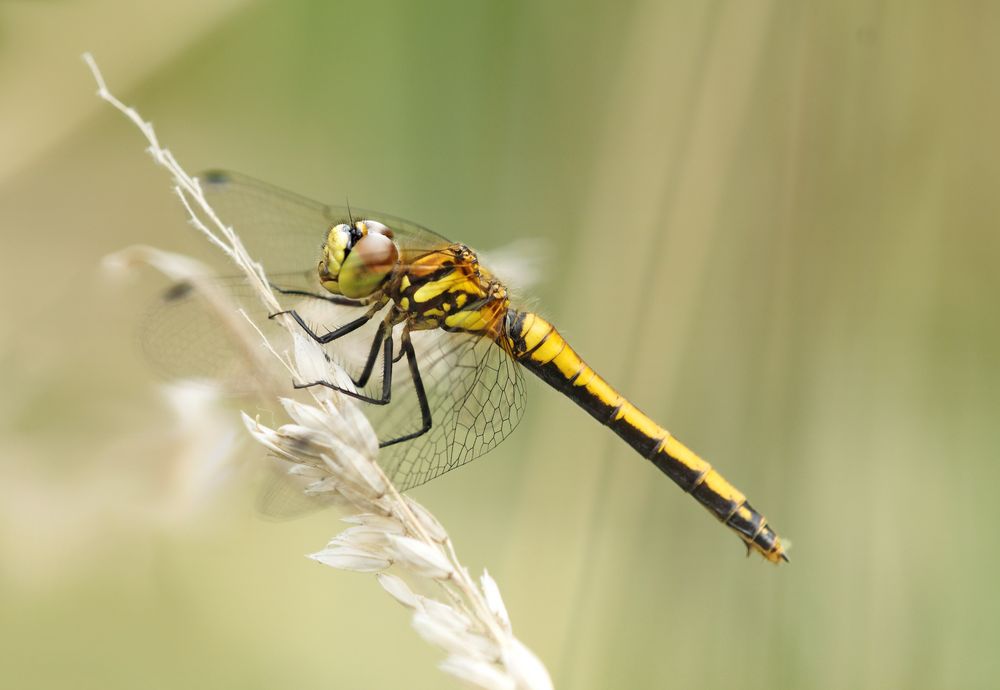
(335, 248)
(376, 228)
(368, 265)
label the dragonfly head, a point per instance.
(357, 259)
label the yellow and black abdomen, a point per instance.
(537, 345)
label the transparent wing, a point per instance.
(474, 388)
(186, 334)
(283, 495)
(286, 231)
(476, 395)
(182, 336)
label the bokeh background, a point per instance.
(772, 224)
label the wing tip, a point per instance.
(216, 176)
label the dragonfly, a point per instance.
(423, 299)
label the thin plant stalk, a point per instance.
(330, 444)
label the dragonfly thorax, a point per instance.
(447, 288)
(357, 259)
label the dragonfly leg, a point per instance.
(418, 386)
(366, 373)
(386, 380)
(335, 299)
(332, 335)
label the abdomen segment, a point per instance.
(537, 345)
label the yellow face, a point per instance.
(357, 260)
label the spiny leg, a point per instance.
(406, 345)
(334, 299)
(386, 375)
(329, 337)
(357, 323)
(366, 373)
(385, 335)
(380, 338)
(380, 335)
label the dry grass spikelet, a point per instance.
(330, 444)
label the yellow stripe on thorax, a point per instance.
(472, 320)
(434, 288)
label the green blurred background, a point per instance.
(771, 224)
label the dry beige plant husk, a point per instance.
(330, 446)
